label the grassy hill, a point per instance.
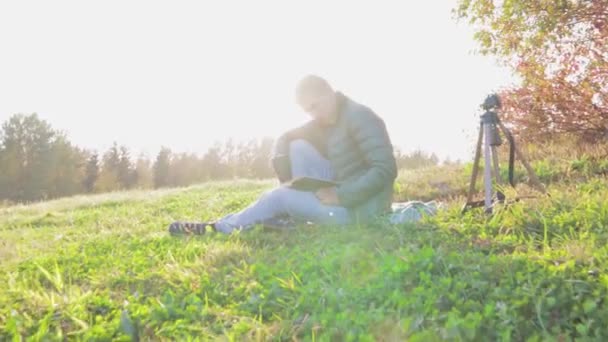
(104, 268)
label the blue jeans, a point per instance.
(302, 206)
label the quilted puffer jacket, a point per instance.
(361, 154)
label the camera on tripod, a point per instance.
(490, 118)
(491, 102)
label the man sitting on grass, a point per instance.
(345, 142)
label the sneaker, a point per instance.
(188, 228)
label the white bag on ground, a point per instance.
(411, 211)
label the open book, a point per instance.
(310, 184)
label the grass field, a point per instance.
(104, 268)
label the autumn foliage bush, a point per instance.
(559, 49)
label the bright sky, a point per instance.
(184, 74)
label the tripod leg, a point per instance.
(475, 166)
(496, 166)
(533, 178)
(499, 194)
(487, 168)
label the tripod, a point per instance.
(490, 137)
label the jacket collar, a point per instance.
(341, 102)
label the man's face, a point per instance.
(321, 106)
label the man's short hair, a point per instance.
(312, 85)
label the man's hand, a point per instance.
(328, 196)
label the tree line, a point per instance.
(38, 162)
